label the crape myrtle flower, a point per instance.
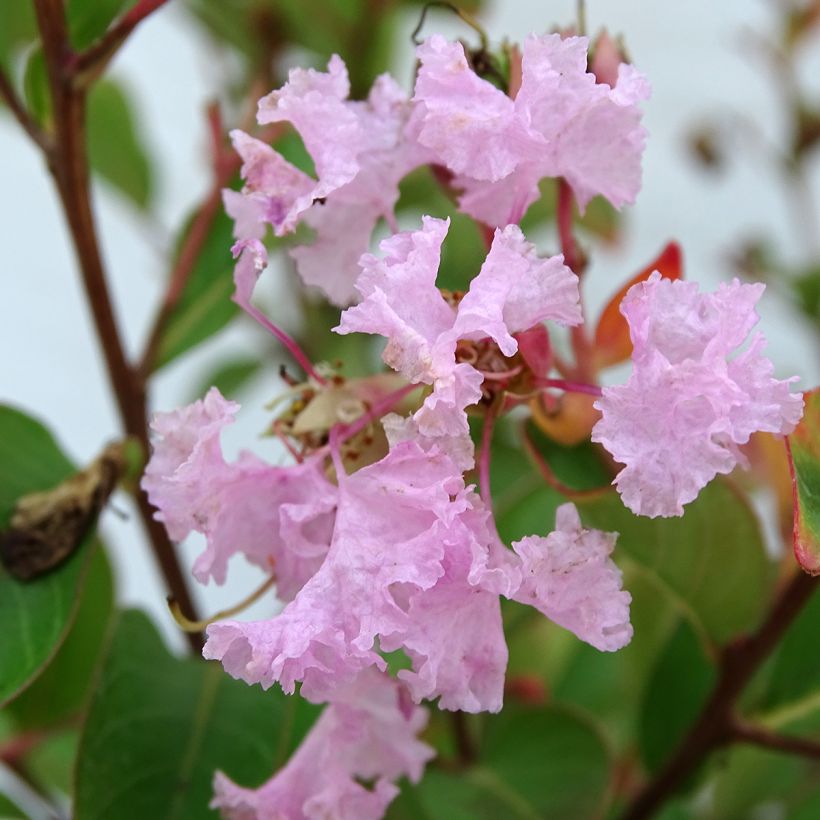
(368, 732)
(360, 151)
(415, 564)
(693, 395)
(562, 123)
(514, 291)
(278, 517)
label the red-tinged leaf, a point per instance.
(612, 342)
(804, 462)
(535, 349)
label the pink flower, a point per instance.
(366, 733)
(570, 577)
(514, 290)
(360, 150)
(693, 397)
(408, 534)
(561, 123)
(280, 518)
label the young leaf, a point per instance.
(159, 727)
(804, 461)
(205, 306)
(612, 342)
(115, 149)
(35, 616)
(88, 19)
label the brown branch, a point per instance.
(22, 115)
(716, 724)
(761, 736)
(69, 167)
(86, 66)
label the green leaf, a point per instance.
(35, 87)
(205, 305)
(34, 615)
(63, 688)
(159, 727)
(89, 19)
(18, 29)
(677, 689)
(115, 148)
(804, 462)
(536, 763)
(230, 377)
(712, 561)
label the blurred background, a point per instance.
(731, 172)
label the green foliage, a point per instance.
(205, 305)
(676, 690)
(62, 690)
(115, 149)
(88, 19)
(159, 727)
(534, 762)
(18, 29)
(230, 377)
(712, 560)
(804, 455)
(35, 615)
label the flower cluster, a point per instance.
(398, 551)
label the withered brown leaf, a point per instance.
(47, 527)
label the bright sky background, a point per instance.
(698, 57)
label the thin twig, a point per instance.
(69, 167)
(87, 65)
(716, 723)
(761, 736)
(22, 115)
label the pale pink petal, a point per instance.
(393, 522)
(570, 577)
(691, 399)
(280, 518)
(515, 290)
(367, 733)
(315, 103)
(273, 187)
(467, 122)
(400, 301)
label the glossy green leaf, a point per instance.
(88, 19)
(712, 561)
(34, 616)
(205, 306)
(10, 810)
(64, 687)
(676, 691)
(535, 763)
(159, 727)
(804, 459)
(116, 150)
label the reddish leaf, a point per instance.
(804, 462)
(612, 342)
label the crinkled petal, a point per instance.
(467, 121)
(280, 518)
(392, 523)
(315, 103)
(400, 301)
(367, 733)
(678, 421)
(515, 290)
(570, 577)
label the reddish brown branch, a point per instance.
(87, 65)
(716, 725)
(69, 166)
(760, 736)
